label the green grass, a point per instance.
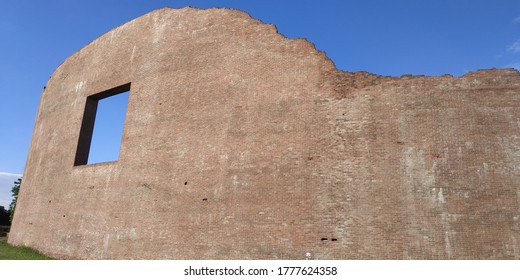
(8, 252)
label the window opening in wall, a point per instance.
(102, 126)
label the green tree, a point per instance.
(15, 190)
(4, 216)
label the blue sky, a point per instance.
(431, 37)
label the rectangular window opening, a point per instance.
(102, 126)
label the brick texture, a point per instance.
(242, 144)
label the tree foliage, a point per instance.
(15, 190)
(4, 216)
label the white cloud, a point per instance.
(7, 174)
(515, 47)
(517, 19)
(6, 183)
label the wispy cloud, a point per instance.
(517, 19)
(515, 47)
(7, 174)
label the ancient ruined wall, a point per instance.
(426, 167)
(240, 144)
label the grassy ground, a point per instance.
(8, 252)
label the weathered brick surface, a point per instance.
(242, 144)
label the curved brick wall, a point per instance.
(242, 144)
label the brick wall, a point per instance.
(242, 144)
